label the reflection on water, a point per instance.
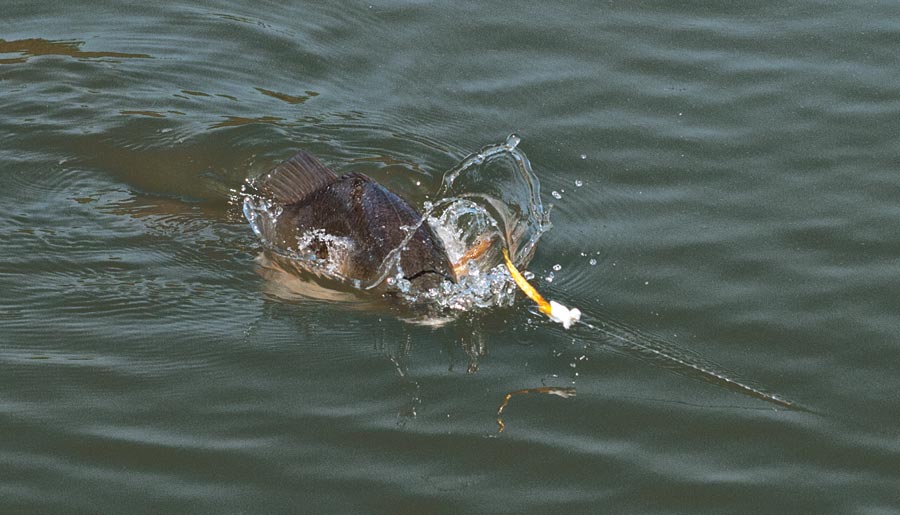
(152, 114)
(290, 99)
(34, 47)
(237, 121)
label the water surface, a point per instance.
(738, 199)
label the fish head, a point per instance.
(424, 261)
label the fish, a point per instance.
(353, 224)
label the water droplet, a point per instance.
(593, 262)
(578, 183)
(528, 275)
(418, 183)
(557, 267)
(556, 194)
(513, 140)
(583, 156)
(550, 277)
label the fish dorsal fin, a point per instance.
(296, 178)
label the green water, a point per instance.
(739, 195)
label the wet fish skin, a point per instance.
(359, 209)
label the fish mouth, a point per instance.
(429, 278)
(423, 272)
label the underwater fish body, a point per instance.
(319, 208)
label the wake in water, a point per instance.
(679, 360)
(644, 346)
(489, 217)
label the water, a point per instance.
(739, 193)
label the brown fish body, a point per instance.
(318, 207)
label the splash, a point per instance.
(500, 179)
(487, 202)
